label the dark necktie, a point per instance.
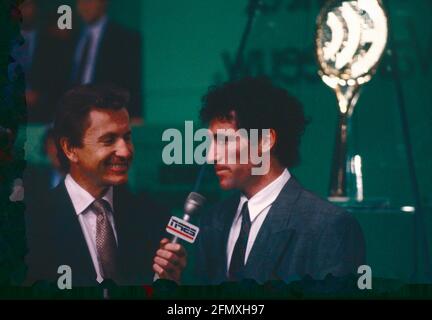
(105, 240)
(236, 268)
(85, 55)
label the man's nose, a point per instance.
(215, 154)
(124, 149)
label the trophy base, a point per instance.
(369, 203)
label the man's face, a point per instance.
(107, 150)
(28, 11)
(91, 10)
(231, 175)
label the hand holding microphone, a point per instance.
(171, 257)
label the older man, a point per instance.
(90, 222)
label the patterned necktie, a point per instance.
(105, 240)
(237, 264)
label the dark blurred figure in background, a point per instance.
(40, 53)
(38, 179)
(23, 52)
(55, 60)
(105, 52)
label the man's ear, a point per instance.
(68, 150)
(268, 140)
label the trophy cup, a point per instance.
(350, 39)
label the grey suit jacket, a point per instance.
(302, 235)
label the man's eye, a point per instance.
(108, 141)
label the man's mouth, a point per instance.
(118, 166)
(221, 170)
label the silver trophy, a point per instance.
(350, 40)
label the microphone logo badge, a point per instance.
(182, 229)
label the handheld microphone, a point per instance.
(181, 228)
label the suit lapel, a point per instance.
(71, 246)
(274, 234)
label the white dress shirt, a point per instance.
(81, 201)
(259, 206)
(96, 30)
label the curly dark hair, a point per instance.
(71, 120)
(259, 104)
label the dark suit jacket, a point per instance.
(40, 176)
(55, 238)
(118, 62)
(302, 235)
(46, 75)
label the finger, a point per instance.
(163, 242)
(169, 271)
(176, 248)
(157, 269)
(166, 265)
(163, 274)
(166, 270)
(175, 259)
(168, 255)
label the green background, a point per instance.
(189, 45)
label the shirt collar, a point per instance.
(265, 197)
(80, 197)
